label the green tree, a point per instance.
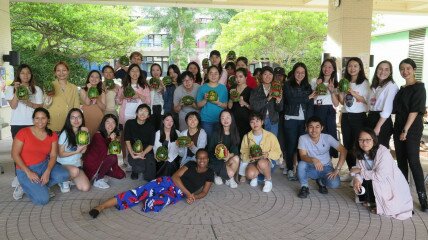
(283, 37)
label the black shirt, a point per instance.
(144, 132)
(409, 99)
(193, 180)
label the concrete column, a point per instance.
(349, 30)
(5, 39)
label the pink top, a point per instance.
(128, 106)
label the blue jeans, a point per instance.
(209, 128)
(271, 127)
(39, 194)
(307, 170)
(293, 129)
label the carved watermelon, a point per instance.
(231, 82)
(154, 83)
(234, 95)
(255, 151)
(205, 63)
(93, 93)
(220, 151)
(212, 96)
(276, 89)
(110, 85)
(49, 88)
(162, 153)
(183, 141)
(231, 56)
(137, 147)
(82, 138)
(321, 89)
(124, 60)
(114, 147)
(129, 92)
(344, 85)
(187, 100)
(167, 80)
(22, 93)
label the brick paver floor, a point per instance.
(242, 213)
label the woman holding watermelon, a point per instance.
(223, 148)
(93, 98)
(156, 95)
(196, 134)
(239, 99)
(212, 99)
(184, 98)
(111, 90)
(194, 68)
(171, 82)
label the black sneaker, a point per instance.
(304, 192)
(134, 175)
(321, 188)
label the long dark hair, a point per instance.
(68, 128)
(292, 78)
(142, 82)
(198, 76)
(220, 65)
(151, 69)
(102, 127)
(234, 134)
(99, 85)
(172, 135)
(46, 112)
(31, 83)
(333, 74)
(375, 81)
(361, 75)
(177, 71)
(358, 152)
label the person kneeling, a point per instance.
(314, 149)
(259, 151)
(162, 191)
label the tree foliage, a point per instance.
(283, 37)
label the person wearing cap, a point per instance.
(242, 62)
(215, 59)
(279, 74)
(261, 101)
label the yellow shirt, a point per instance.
(268, 144)
(62, 102)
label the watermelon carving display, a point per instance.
(22, 93)
(124, 60)
(344, 85)
(276, 89)
(231, 56)
(255, 151)
(205, 63)
(321, 89)
(231, 82)
(183, 141)
(114, 147)
(187, 100)
(137, 147)
(234, 95)
(129, 92)
(49, 89)
(110, 85)
(220, 151)
(82, 138)
(93, 93)
(167, 80)
(154, 83)
(212, 96)
(162, 153)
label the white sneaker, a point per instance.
(345, 178)
(18, 192)
(15, 182)
(64, 186)
(285, 171)
(231, 183)
(218, 180)
(253, 182)
(268, 186)
(100, 183)
(291, 176)
(72, 183)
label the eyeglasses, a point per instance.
(368, 140)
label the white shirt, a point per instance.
(172, 146)
(353, 105)
(321, 99)
(22, 114)
(382, 98)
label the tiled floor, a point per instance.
(242, 213)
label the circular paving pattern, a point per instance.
(242, 213)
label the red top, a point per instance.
(251, 81)
(34, 150)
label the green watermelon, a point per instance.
(82, 138)
(162, 153)
(205, 63)
(255, 151)
(344, 85)
(234, 95)
(137, 147)
(187, 100)
(114, 147)
(212, 96)
(49, 88)
(93, 93)
(154, 83)
(276, 89)
(231, 56)
(167, 80)
(183, 141)
(22, 93)
(231, 82)
(129, 92)
(124, 60)
(109, 83)
(321, 89)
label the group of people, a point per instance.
(218, 123)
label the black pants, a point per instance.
(146, 166)
(408, 153)
(351, 125)
(386, 129)
(167, 168)
(156, 117)
(327, 113)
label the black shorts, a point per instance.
(219, 168)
